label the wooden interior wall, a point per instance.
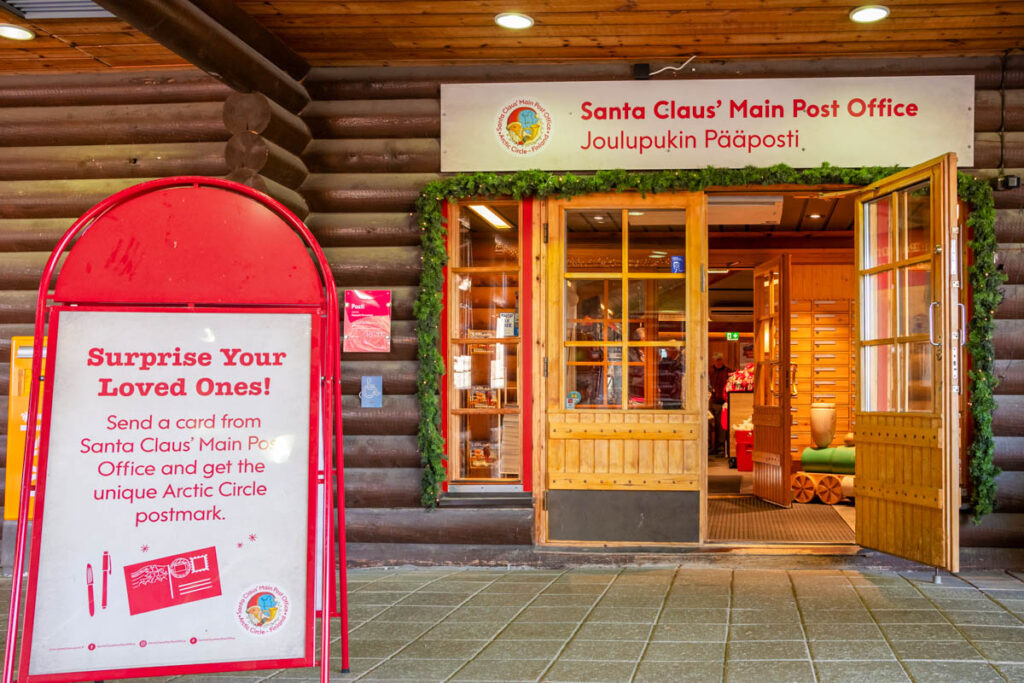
(376, 144)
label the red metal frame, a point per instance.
(325, 367)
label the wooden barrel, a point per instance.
(829, 489)
(803, 488)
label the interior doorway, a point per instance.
(781, 291)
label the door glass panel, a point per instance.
(593, 310)
(488, 447)
(657, 309)
(657, 241)
(656, 378)
(593, 241)
(489, 235)
(876, 306)
(487, 304)
(917, 220)
(917, 360)
(878, 366)
(915, 298)
(878, 243)
(593, 385)
(485, 376)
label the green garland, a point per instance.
(984, 277)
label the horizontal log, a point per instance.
(404, 345)
(1006, 338)
(1010, 493)
(399, 377)
(402, 301)
(252, 152)
(1008, 417)
(988, 111)
(5, 384)
(105, 88)
(385, 487)
(353, 192)
(22, 270)
(1010, 199)
(255, 35)
(362, 229)
(35, 234)
(374, 119)
(1010, 259)
(336, 83)
(500, 526)
(1013, 110)
(1009, 453)
(18, 307)
(57, 198)
(1010, 226)
(113, 124)
(4, 405)
(988, 150)
(399, 415)
(294, 201)
(1013, 303)
(6, 332)
(380, 451)
(456, 555)
(374, 266)
(998, 530)
(256, 113)
(386, 155)
(113, 161)
(191, 33)
(1011, 376)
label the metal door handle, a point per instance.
(931, 324)
(963, 324)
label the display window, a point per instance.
(484, 359)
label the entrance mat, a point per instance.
(745, 518)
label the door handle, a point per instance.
(931, 324)
(963, 324)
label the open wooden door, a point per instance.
(771, 382)
(910, 329)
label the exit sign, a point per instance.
(732, 336)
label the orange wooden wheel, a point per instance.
(830, 489)
(803, 488)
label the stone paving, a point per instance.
(674, 624)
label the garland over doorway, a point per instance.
(985, 282)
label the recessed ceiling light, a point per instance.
(485, 212)
(514, 20)
(636, 213)
(15, 32)
(814, 215)
(866, 14)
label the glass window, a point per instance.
(878, 242)
(878, 363)
(484, 351)
(643, 341)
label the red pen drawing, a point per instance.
(172, 580)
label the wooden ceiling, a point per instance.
(357, 32)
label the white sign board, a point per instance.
(177, 486)
(694, 124)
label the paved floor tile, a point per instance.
(681, 672)
(592, 672)
(498, 600)
(422, 670)
(840, 650)
(484, 613)
(625, 615)
(950, 650)
(908, 616)
(690, 632)
(837, 616)
(607, 630)
(697, 615)
(851, 632)
(776, 672)
(1001, 651)
(1013, 672)
(673, 651)
(861, 672)
(953, 672)
(545, 614)
(436, 649)
(565, 600)
(533, 631)
(766, 649)
(406, 613)
(375, 647)
(765, 616)
(971, 617)
(921, 632)
(464, 630)
(603, 650)
(389, 630)
(520, 648)
(501, 670)
(749, 632)
(1008, 633)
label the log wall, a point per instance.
(376, 143)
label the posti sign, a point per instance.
(694, 124)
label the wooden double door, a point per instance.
(625, 387)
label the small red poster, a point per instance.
(367, 320)
(172, 580)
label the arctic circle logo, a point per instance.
(262, 609)
(524, 126)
